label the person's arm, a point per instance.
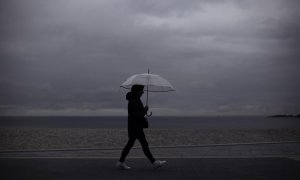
(137, 110)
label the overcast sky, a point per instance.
(224, 57)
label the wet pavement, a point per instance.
(231, 161)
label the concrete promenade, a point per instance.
(231, 161)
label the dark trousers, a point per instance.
(141, 137)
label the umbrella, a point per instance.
(153, 83)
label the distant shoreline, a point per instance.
(285, 116)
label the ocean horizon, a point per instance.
(199, 122)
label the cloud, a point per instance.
(222, 56)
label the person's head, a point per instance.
(138, 90)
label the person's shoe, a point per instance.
(122, 165)
(158, 164)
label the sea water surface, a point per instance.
(218, 122)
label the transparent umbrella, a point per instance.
(152, 82)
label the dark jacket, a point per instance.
(136, 113)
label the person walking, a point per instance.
(136, 123)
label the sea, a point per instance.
(202, 122)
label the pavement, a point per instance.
(227, 161)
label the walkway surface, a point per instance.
(231, 161)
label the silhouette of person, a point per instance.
(136, 118)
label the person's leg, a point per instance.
(127, 148)
(145, 146)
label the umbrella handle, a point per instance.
(148, 115)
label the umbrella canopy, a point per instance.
(152, 82)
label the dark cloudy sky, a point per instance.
(224, 57)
